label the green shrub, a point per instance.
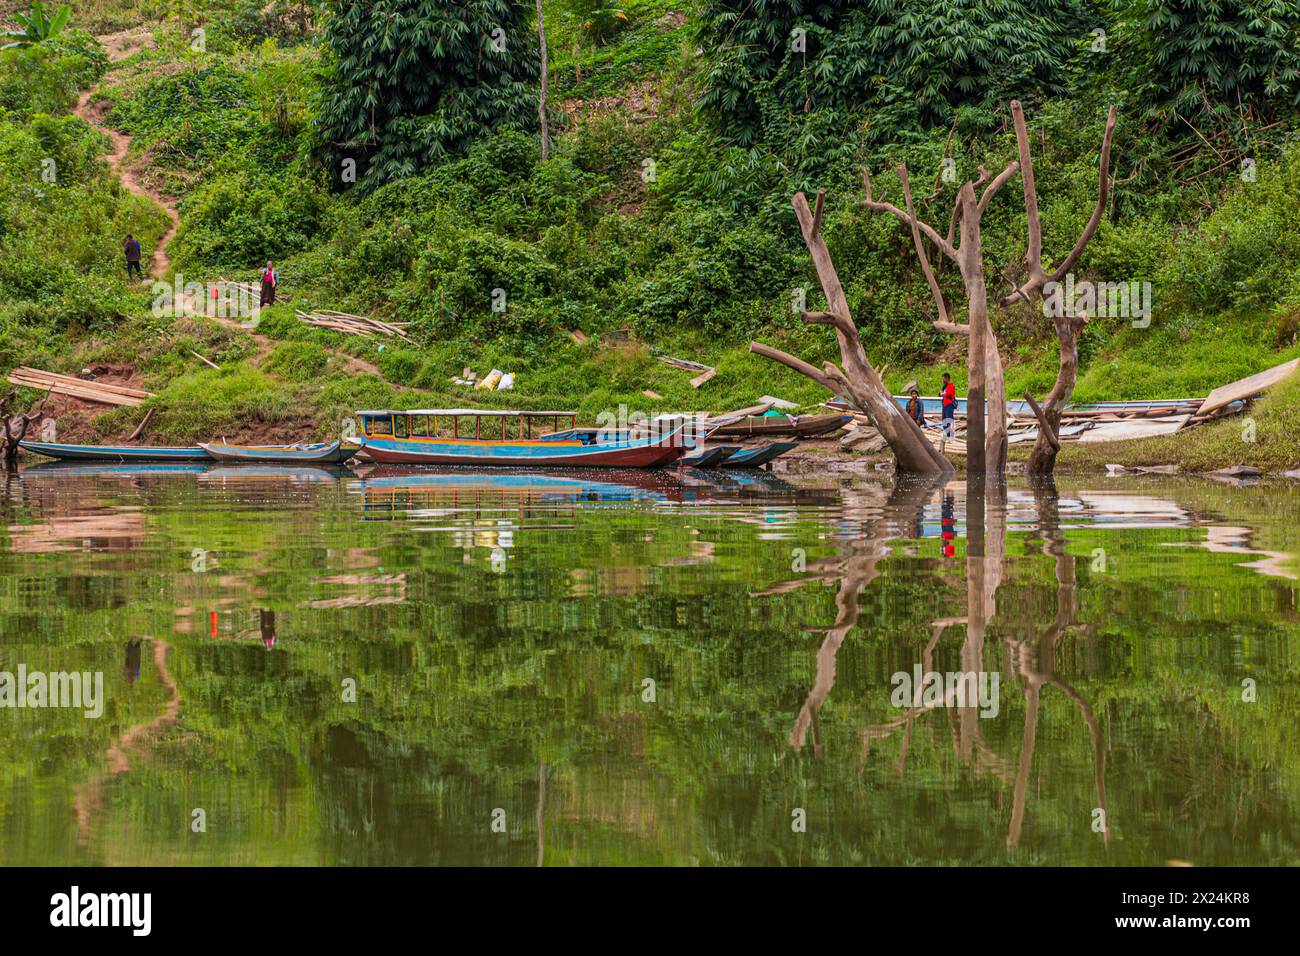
(297, 361)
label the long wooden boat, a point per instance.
(804, 426)
(757, 457)
(420, 436)
(322, 452)
(115, 452)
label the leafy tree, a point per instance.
(415, 80)
(37, 25)
(1210, 59)
(770, 62)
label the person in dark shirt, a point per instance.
(916, 408)
(132, 250)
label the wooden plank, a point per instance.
(701, 379)
(1137, 428)
(58, 388)
(82, 382)
(1248, 387)
(685, 364)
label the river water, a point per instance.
(416, 667)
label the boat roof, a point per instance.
(482, 412)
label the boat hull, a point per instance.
(115, 452)
(807, 426)
(710, 458)
(323, 453)
(525, 454)
(757, 457)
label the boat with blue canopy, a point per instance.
(487, 437)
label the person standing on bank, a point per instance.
(915, 407)
(949, 405)
(269, 283)
(132, 250)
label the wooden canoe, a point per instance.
(321, 452)
(803, 426)
(116, 452)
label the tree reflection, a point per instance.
(1032, 658)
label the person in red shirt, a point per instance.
(269, 283)
(949, 404)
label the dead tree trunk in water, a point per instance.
(986, 431)
(1042, 461)
(857, 380)
(15, 427)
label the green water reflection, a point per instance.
(500, 633)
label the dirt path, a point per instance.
(119, 46)
(117, 164)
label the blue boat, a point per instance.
(118, 453)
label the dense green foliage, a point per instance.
(1209, 59)
(800, 71)
(415, 80)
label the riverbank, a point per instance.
(602, 269)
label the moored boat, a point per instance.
(434, 437)
(115, 452)
(804, 426)
(757, 457)
(322, 452)
(710, 457)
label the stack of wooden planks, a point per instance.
(81, 388)
(352, 324)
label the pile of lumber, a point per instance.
(81, 388)
(352, 324)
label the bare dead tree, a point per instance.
(16, 425)
(541, 102)
(1042, 459)
(857, 381)
(986, 433)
